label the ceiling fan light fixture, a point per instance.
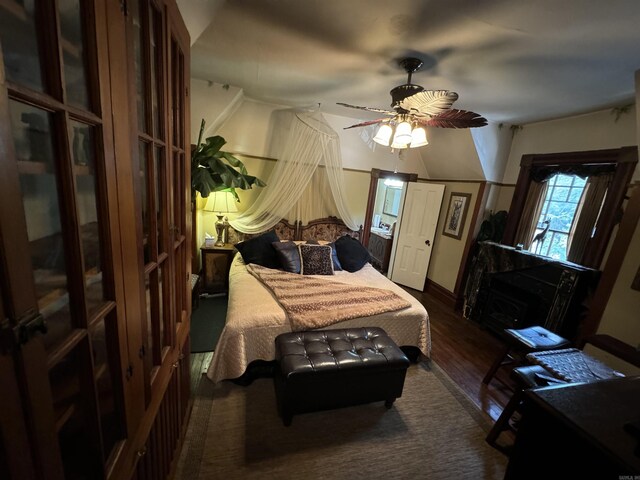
(418, 138)
(403, 133)
(383, 136)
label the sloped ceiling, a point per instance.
(513, 62)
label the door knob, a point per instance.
(427, 242)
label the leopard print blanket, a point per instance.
(311, 302)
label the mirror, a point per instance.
(392, 201)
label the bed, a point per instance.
(255, 318)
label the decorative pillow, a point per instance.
(315, 260)
(258, 250)
(337, 266)
(334, 255)
(351, 253)
(289, 255)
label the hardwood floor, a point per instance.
(465, 352)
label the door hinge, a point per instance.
(142, 352)
(129, 372)
(124, 8)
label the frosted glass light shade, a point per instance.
(418, 137)
(384, 135)
(397, 145)
(403, 133)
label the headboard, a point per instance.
(329, 229)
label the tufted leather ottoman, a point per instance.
(324, 369)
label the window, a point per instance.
(538, 168)
(557, 215)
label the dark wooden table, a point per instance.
(578, 431)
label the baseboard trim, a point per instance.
(441, 293)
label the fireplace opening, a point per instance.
(510, 307)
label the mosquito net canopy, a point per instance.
(307, 180)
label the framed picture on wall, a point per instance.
(456, 215)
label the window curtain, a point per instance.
(531, 213)
(308, 142)
(587, 215)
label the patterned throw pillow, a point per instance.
(315, 259)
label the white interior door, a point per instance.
(419, 219)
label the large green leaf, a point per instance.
(213, 170)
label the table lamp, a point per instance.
(221, 203)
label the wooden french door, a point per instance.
(60, 256)
(158, 61)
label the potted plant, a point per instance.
(213, 170)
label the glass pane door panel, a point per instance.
(153, 315)
(105, 361)
(178, 191)
(143, 149)
(160, 178)
(80, 457)
(161, 308)
(84, 166)
(73, 52)
(20, 43)
(149, 302)
(138, 53)
(155, 30)
(32, 137)
(180, 282)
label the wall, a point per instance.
(504, 196)
(214, 103)
(447, 252)
(594, 131)
(620, 318)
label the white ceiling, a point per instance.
(511, 61)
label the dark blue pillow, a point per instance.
(259, 250)
(351, 253)
(334, 255)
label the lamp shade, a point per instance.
(384, 135)
(222, 202)
(403, 133)
(418, 137)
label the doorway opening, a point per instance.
(383, 207)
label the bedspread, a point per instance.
(254, 319)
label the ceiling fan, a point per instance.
(415, 108)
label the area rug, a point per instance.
(207, 322)
(433, 432)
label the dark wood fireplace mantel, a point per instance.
(510, 288)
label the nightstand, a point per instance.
(216, 262)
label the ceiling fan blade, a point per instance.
(364, 124)
(369, 109)
(454, 119)
(429, 102)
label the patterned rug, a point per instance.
(433, 431)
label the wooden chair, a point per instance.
(563, 370)
(520, 342)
